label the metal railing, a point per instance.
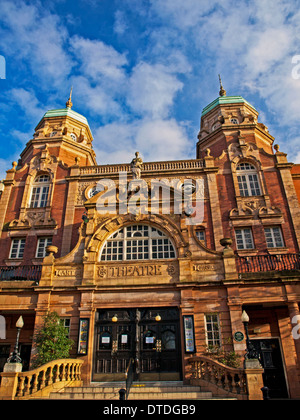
(129, 375)
(21, 272)
(264, 263)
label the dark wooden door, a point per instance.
(136, 333)
(114, 344)
(271, 360)
(160, 345)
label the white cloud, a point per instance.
(28, 102)
(98, 59)
(183, 45)
(94, 98)
(120, 25)
(33, 34)
(152, 90)
(154, 139)
(162, 140)
(5, 164)
(297, 158)
(184, 14)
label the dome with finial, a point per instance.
(223, 99)
(67, 112)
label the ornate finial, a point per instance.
(222, 90)
(69, 102)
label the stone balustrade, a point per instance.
(39, 382)
(191, 164)
(225, 381)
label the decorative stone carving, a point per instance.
(136, 166)
(33, 218)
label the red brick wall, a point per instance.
(296, 171)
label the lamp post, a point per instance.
(251, 353)
(15, 356)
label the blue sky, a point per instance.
(143, 70)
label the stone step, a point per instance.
(167, 390)
(134, 396)
(133, 389)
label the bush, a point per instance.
(51, 341)
(228, 358)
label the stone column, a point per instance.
(255, 382)
(4, 200)
(295, 321)
(213, 194)
(70, 210)
(9, 380)
(289, 188)
(87, 310)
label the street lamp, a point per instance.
(15, 356)
(251, 353)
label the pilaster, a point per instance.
(4, 199)
(289, 188)
(214, 199)
(70, 210)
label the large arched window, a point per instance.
(248, 179)
(137, 242)
(40, 191)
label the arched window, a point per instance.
(248, 179)
(137, 242)
(40, 191)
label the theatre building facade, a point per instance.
(155, 261)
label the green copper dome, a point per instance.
(225, 100)
(66, 112)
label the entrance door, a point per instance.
(115, 344)
(271, 360)
(160, 345)
(150, 336)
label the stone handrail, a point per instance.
(232, 381)
(147, 167)
(39, 382)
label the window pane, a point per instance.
(17, 248)
(140, 242)
(213, 334)
(40, 193)
(248, 180)
(41, 247)
(244, 239)
(243, 186)
(274, 237)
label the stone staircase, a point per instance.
(169, 390)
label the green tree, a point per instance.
(51, 341)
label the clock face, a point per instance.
(93, 191)
(73, 136)
(188, 187)
(53, 133)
